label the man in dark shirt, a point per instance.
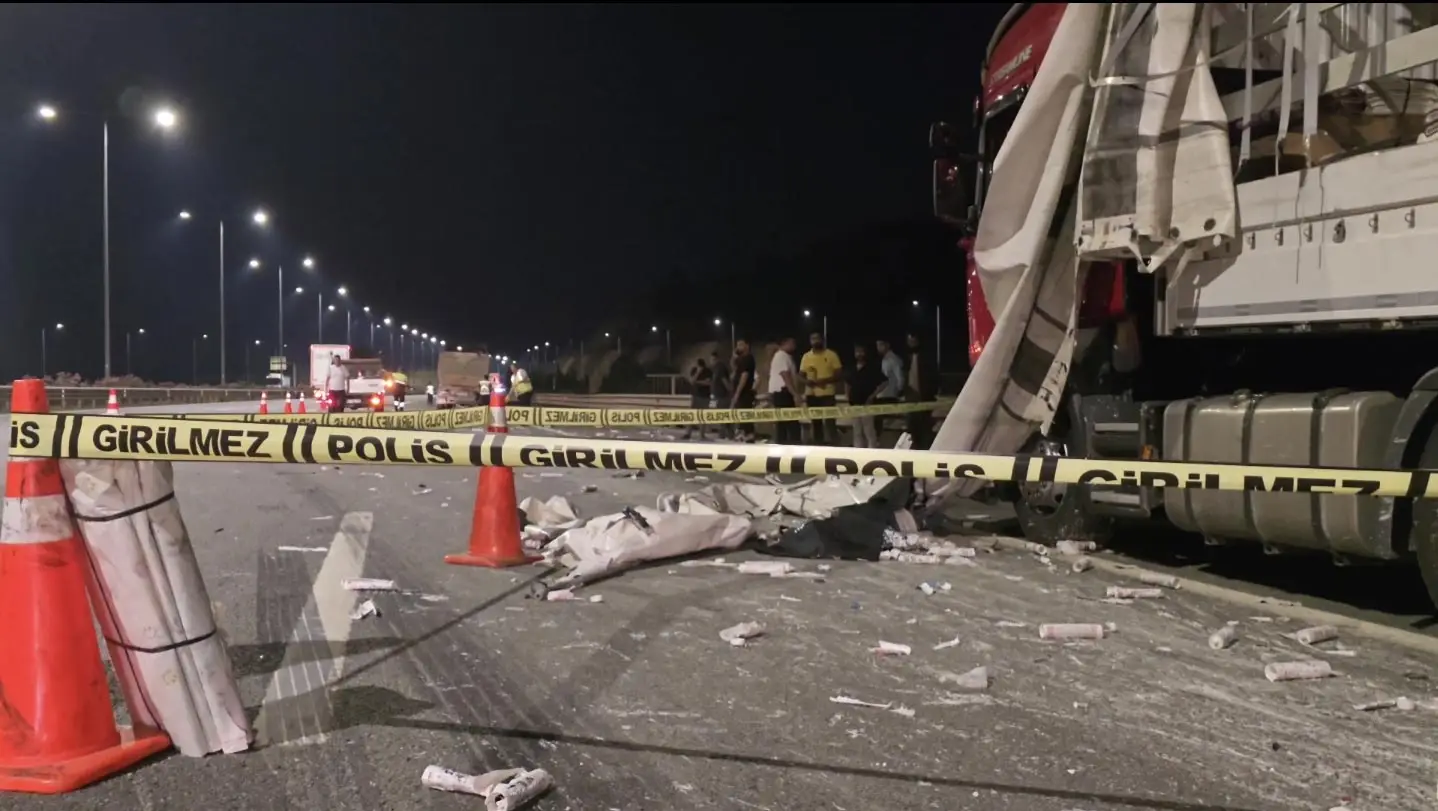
(701, 381)
(921, 385)
(864, 384)
(742, 393)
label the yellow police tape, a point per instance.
(71, 436)
(478, 417)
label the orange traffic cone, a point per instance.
(264, 403)
(112, 406)
(289, 405)
(494, 539)
(301, 409)
(57, 727)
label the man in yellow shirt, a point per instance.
(822, 370)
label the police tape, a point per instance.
(72, 436)
(540, 416)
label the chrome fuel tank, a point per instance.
(1327, 429)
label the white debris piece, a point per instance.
(611, 543)
(1294, 671)
(909, 557)
(1316, 634)
(1121, 593)
(323, 518)
(368, 584)
(907, 712)
(589, 488)
(1075, 547)
(1223, 637)
(823, 567)
(518, 791)
(560, 596)
(1071, 630)
(976, 679)
(553, 515)
(737, 635)
(891, 649)
(856, 702)
(773, 568)
(1081, 565)
(364, 609)
(596, 598)
(1404, 704)
(1154, 579)
(422, 491)
(949, 644)
(927, 589)
(301, 549)
(718, 562)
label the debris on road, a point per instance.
(1072, 548)
(891, 649)
(560, 596)
(738, 635)
(302, 549)
(1223, 637)
(949, 644)
(856, 702)
(1071, 630)
(609, 544)
(1081, 565)
(973, 680)
(1121, 593)
(589, 488)
(502, 790)
(1316, 634)
(1154, 579)
(772, 568)
(323, 518)
(368, 584)
(1295, 671)
(719, 563)
(1403, 704)
(364, 609)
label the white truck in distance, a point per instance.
(463, 377)
(364, 383)
(321, 358)
(1202, 232)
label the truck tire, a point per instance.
(1424, 538)
(1049, 513)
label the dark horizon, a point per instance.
(505, 175)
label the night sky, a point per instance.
(505, 174)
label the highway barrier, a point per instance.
(78, 398)
(72, 436)
(542, 416)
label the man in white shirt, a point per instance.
(335, 381)
(783, 390)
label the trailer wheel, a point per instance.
(1049, 513)
(1424, 538)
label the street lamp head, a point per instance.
(414, 331)
(257, 342)
(254, 263)
(434, 340)
(424, 335)
(47, 112)
(59, 326)
(653, 329)
(366, 309)
(184, 215)
(260, 217)
(457, 348)
(606, 335)
(546, 343)
(141, 330)
(299, 290)
(343, 292)
(332, 308)
(403, 326)
(309, 262)
(205, 336)
(806, 313)
(166, 118)
(387, 321)
(916, 302)
(718, 321)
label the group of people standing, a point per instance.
(815, 381)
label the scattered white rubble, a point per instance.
(1121, 593)
(1294, 671)
(368, 584)
(1071, 630)
(364, 609)
(323, 518)
(560, 596)
(1316, 634)
(422, 491)
(1154, 579)
(716, 562)
(891, 649)
(302, 549)
(1075, 547)
(907, 712)
(1403, 704)
(949, 644)
(1223, 637)
(857, 702)
(502, 790)
(738, 635)
(589, 488)
(1081, 565)
(772, 568)
(976, 679)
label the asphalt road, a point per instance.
(636, 704)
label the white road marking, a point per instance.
(296, 708)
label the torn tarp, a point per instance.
(612, 543)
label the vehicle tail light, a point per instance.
(374, 400)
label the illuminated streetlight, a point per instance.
(458, 348)
(332, 308)
(424, 335)
(184, 215)
(404, 326)
(606, 335)
(653, 329)
(718, 321)
(254, 264)
(806, 313)
(46, 112)
(366, 309)
(260, 217)
(414, 331)
(309, 262)
(546, 343)
(387, 321)
(257, 342)
(166, 118)
(299, 290)
(434, 340)
(59, 326)
(343, 292)
(916, 302)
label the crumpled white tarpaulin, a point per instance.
(612, 543)
(553, 516)
(153, 608)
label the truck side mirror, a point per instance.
(943, 140)
(951, 199)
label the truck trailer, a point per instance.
(1199, 232)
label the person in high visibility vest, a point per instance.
(401, 389)
(520, 389)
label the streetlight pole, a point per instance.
(44, 359)
(195, 357)
(105, 231)
(222, 302)
(129, 368)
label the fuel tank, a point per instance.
(1330, 429)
